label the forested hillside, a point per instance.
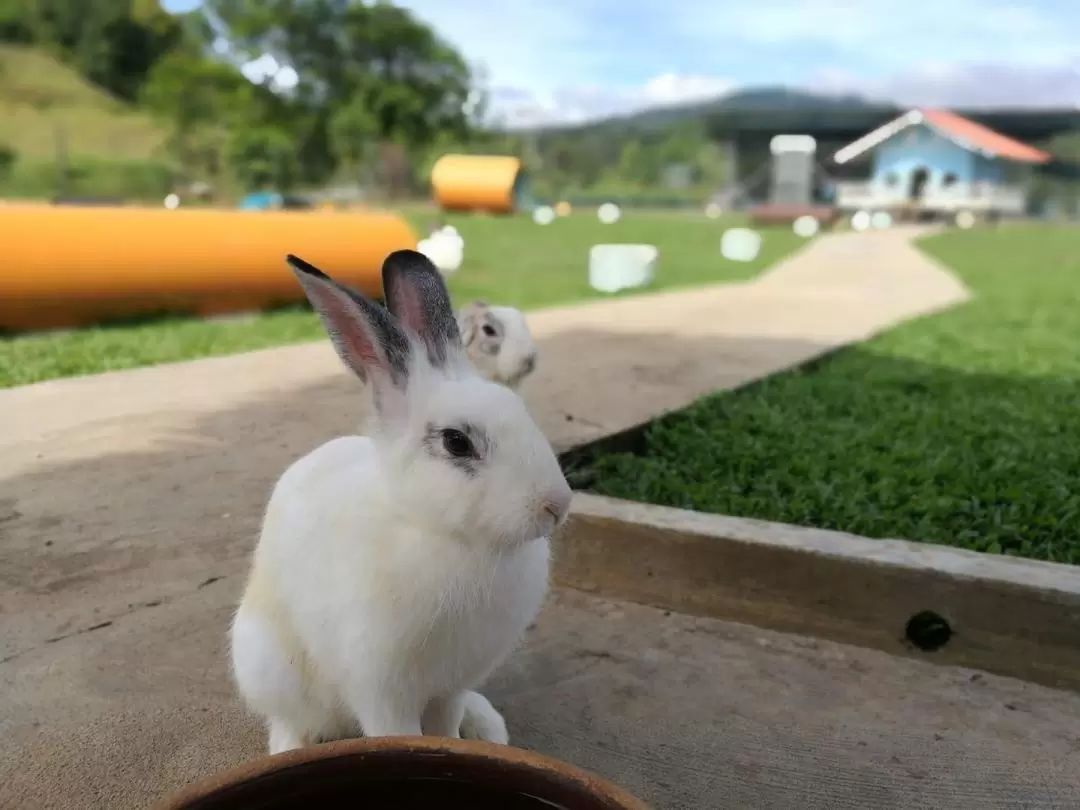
(82, 77)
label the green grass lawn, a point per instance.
(507, 261)
(961, 428)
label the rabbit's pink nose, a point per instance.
(557, 504)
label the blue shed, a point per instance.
(938, 160)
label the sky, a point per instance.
(567, 61)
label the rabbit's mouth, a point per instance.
(547, 529)
(522, 371)
(541, 528)
(553, 512)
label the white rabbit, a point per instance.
(394, 572)
(498, 342)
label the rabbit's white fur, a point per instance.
(498, 342)
(391, 576)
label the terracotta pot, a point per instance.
(405, 772)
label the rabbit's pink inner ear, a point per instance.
(421, 304)
(409, 308)
(417, 295)
(351, 336)
(352, 340)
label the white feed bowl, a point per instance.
(805, 226)
(740, 244)
(880, 220)
(608, 213)
(544, 215)
(619, 267)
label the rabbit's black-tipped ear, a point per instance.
(362, 332)
(416, 293)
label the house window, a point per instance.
(949, 179)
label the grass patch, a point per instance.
(507, 261)
(961, 429)
(39, 95)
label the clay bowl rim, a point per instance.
(551, 773)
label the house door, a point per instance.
(919, 178)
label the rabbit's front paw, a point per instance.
(482, 721)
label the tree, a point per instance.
(139, 35)
(113, 43)
(190, 90)
(1066, 146)
(262, 157)
(633, 163)
(352, 129)
(8, 157)
(364, 71)
(199, 98)
(1061, 185)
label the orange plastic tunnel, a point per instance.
(69, 266)
(497, 184)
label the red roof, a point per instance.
(983, 138)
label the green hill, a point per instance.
(753, 98)
(41, 98)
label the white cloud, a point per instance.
(949, 84)
(676, 88)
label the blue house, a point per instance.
(934, 160)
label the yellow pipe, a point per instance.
(67, 266)
(475, 182)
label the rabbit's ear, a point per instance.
(363, 333)
(417, 295)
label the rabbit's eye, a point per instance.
(457, 444)
(488, 330)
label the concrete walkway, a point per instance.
(605, 365)
(129, 503)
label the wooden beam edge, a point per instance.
(1005, 615)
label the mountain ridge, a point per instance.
(750, 98)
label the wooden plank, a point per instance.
(1004, 615)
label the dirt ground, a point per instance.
(130, 502)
